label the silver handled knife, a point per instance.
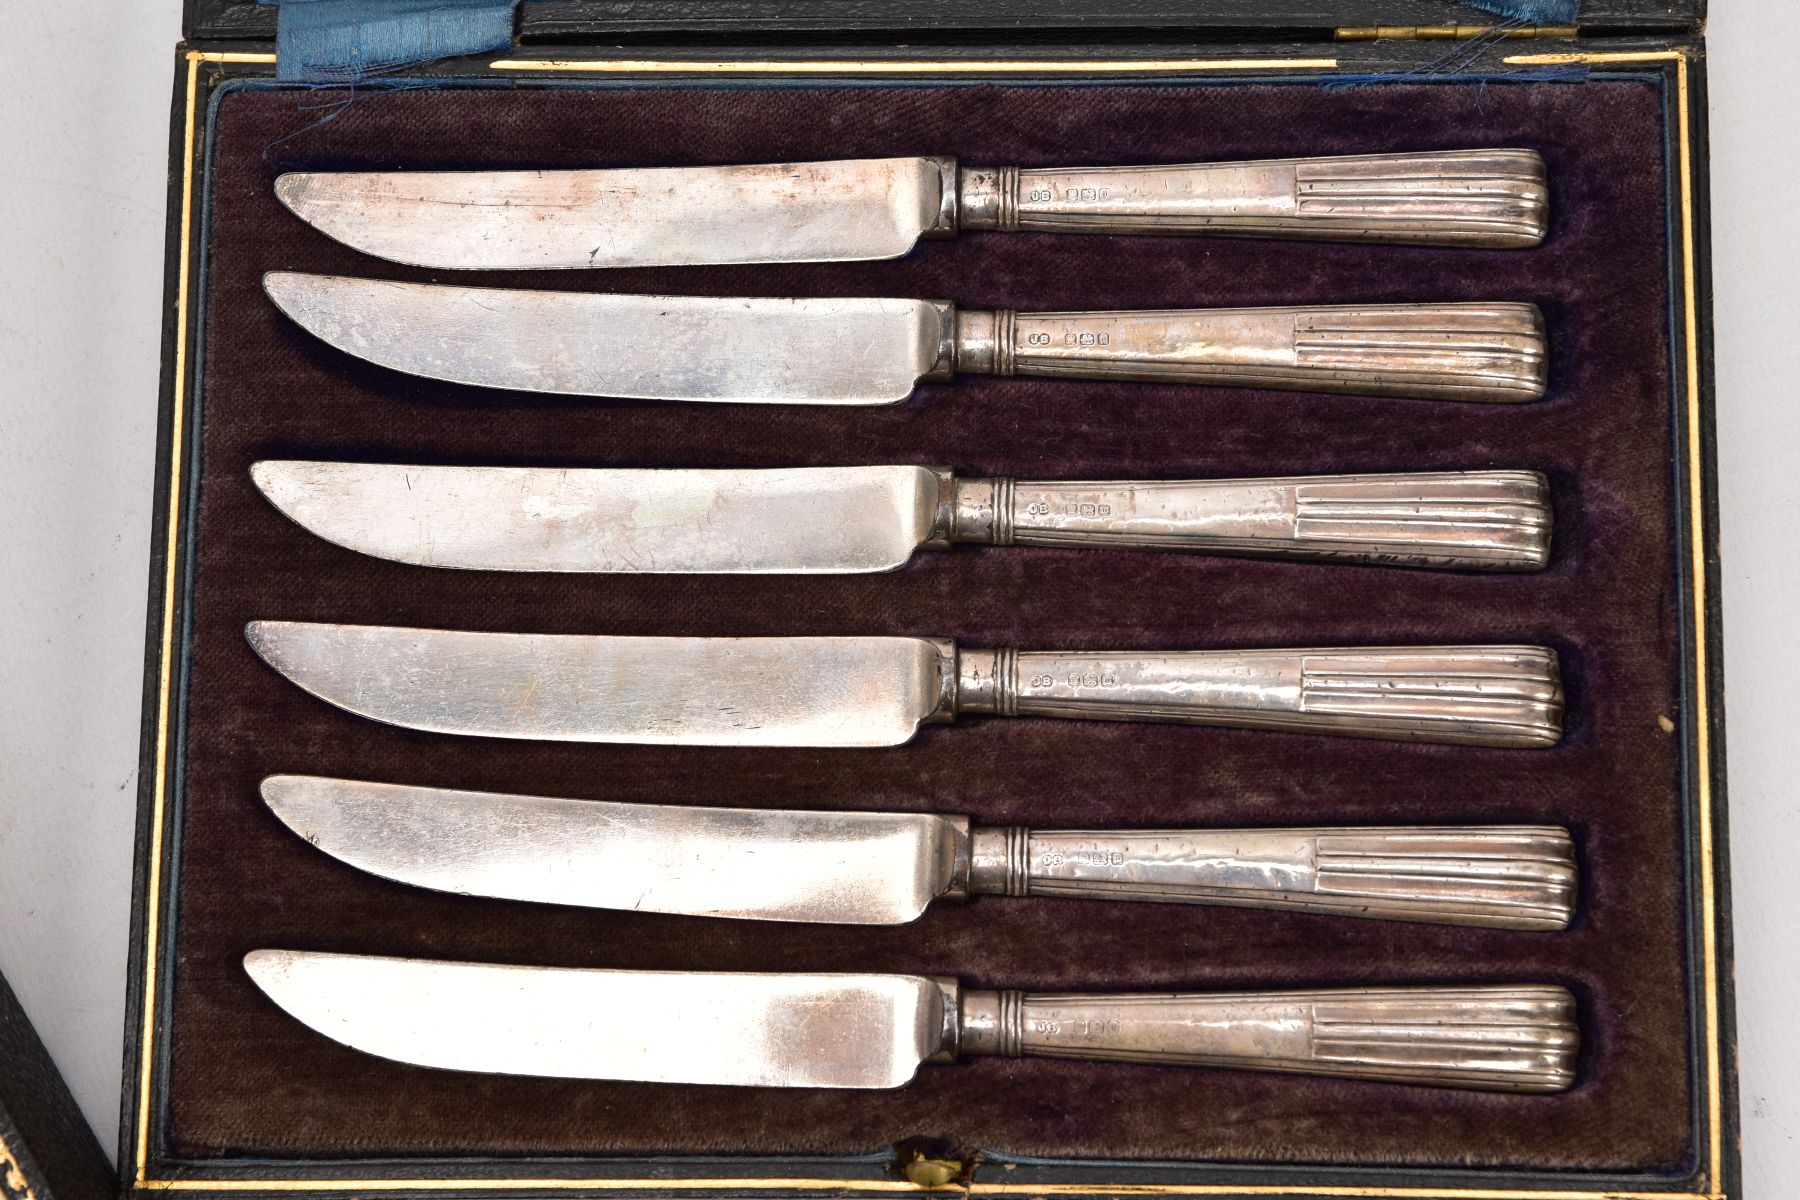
(867, 868)
(874, 691)
(879, 207)
(749, 350)
(824, 520)
(875, 1031)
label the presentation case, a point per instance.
(225, 1094)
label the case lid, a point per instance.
(47, 1151)
(673, 20)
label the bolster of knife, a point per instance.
(1487, 353)
(1469, 520)
(1501, 696)
(1494, 199)
(1505, 877)
(1493, 1038)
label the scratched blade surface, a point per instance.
(773, 865)
(667, 216)
(806, 521)
(822, 691)
(747, 350)
(769, 1030)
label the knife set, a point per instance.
(876, 868)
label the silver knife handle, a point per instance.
(1497, 199)
(1508, 696)
(1506, 877)
(1491, 353)
(1502, 1039)
(1474, 520)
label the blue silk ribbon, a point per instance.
(344, 41)
(1532, 12)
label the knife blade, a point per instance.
(875, 1031)
(877, 208)
(816, 520)
(875, 691)
(874, 868)
(760, 350)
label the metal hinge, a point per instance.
(1414, 33)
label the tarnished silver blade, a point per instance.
(820, 691)
(811, 520)
(741, 349)
(667, 216)
(833, 1031)
(847, 868)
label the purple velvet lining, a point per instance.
(248, 1080)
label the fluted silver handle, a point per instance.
(1497, 199)
(1467, 695)
(1504, 1039)
(1509, 877)
(1472, 520)
(1493, 353)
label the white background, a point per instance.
(83, 155)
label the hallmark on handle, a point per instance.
(1490, 199)
(1472, 520)
(1476, 352)
(1498, 696)
(1500, 876)
(1508, 1038)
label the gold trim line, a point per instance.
(1702, 715)
(976, 1188)
(146, 1048)
(1010, 66)
(159, 786)
(1413, 33)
